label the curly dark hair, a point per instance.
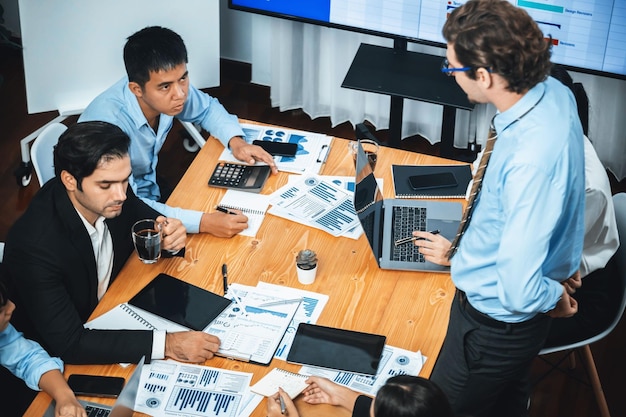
(496, 35)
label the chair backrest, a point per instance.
(619, 258)
(619, 202)
(41, 152)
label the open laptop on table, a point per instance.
(386, 221)
(124, 405)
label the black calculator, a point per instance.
(239, 176)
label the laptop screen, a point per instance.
(368, 202)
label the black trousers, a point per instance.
(484, 364)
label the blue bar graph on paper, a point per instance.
(344, 378)
(324, 192)
(200, 402)
(208, 377)
(155, 388)
(308, 304)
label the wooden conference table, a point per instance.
(410, 308)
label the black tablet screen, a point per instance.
(180, 302)
(344, 350)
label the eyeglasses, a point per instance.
(445, 68)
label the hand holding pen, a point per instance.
(280, 404)
(433, 246)
(413, 238)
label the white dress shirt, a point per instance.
(103, 253)
(601, 238)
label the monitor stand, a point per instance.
(406, 74)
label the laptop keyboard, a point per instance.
(405, 221)
(97, 411)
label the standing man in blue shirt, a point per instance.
(144, 103)
(525, 236)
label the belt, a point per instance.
(485, 320)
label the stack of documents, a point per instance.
(312, 150)
(325, 203)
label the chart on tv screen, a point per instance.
(584, 33)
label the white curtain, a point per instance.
(305, 65)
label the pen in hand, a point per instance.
(225, 210)
(283, 408)
(413, 238)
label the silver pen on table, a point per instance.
(280, 302)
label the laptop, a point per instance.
(124, 405)
(386, 221)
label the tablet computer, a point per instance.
(343, 350)
(180, 302)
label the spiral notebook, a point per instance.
(403, 188)
(252, 205)
(292, 383)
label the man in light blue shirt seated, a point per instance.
(525, 235)
(144, 103)
(27, 360)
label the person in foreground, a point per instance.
(28, 361)
(598, 299)
(401, 396)
(525, 235)
(70, 244)
(144, 103)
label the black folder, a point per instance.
(403, 189)
(343, 350)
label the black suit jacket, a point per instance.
(52, 270)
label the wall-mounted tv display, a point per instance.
(587, 35)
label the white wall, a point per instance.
(73, 48)
(235, 34)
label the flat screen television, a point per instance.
(587, 35)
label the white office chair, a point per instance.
(582, 346)
(41, 152)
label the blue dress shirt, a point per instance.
(119, 106)
(526, 233)
(25, 358)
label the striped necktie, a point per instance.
(476, 186)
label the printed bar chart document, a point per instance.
(170, 388)
(311, 154)
(251, 328)
(316, 202)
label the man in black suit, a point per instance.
(71, 243)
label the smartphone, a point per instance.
(439, 180)
(96, 385)
(277, 148)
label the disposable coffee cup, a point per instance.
(370, 148)
(147, 237)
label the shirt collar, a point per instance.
(134, 111)
(91, 229)
(524, 105)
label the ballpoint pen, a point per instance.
(224, 210)
(283, 408)
(225, 278)
(412, 238)
(279, 302)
